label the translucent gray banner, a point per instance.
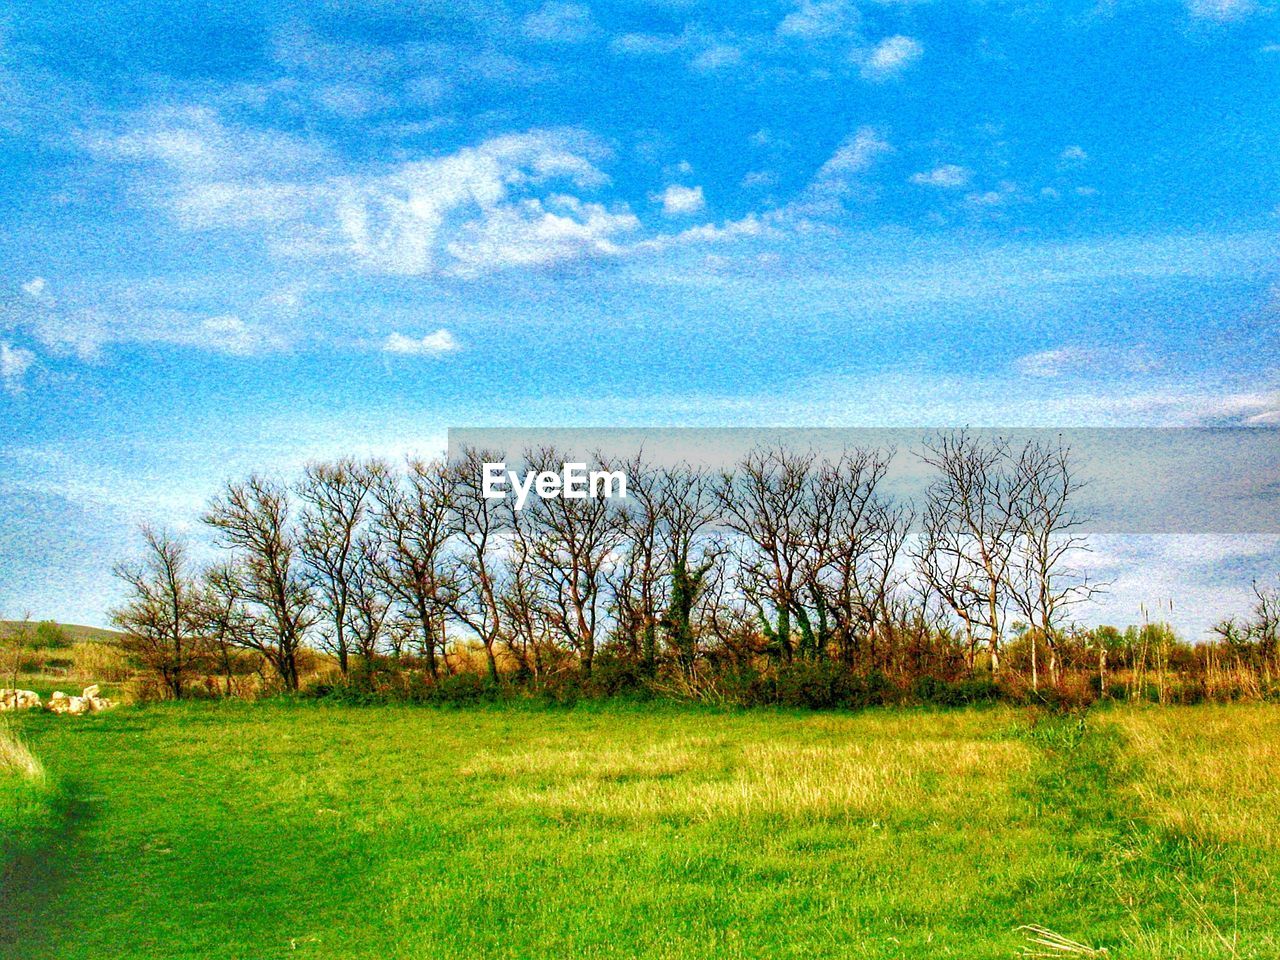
(1199, 480)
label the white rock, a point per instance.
(18, 699)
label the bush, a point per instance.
(818, 684)
(957, 693)
(612, 675)
(462, 689)
(51, 635)
(368, 685)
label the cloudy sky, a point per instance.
(237, 239)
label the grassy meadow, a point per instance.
(654, 830)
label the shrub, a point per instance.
(612, 675)
(461, 689)
(745, 686)
(51, 635)
(956, 693)
(818, 684)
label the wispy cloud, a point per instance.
(1064, 361)
(503, 202)
(817, 19)
(1221, 11)
(704, 51)
(948, 176)
(228, 334)
(891, 57)
(1054, 363)
(538, 233)
(14, 364)
(195, 143)
(838, 179)
(716, 56)
(431, 345)
(649, 44)
(556, 22)
(679, 201)
(854, 155)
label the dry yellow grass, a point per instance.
(831, 767)
(16, 759)
(1211, 772)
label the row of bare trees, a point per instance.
(789, 556)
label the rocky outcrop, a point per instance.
(88, 702)
(19, 699)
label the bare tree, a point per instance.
(160, 617)
(413, 523)
(527, 628)
(335, 499)
(637, 580)
(253, 519)
(479, 525)
(571, 545)
(1043, 584)
(666, 555)
(16, 638)
(852, 536)
(688, 509)
(971, 518)
(224, 621)
(368, 603)
(1264, 625)
(764, 503)
(946, 570)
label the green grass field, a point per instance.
(249, 831)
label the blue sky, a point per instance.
(242, 238)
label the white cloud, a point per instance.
(419, 218)
(678, 201)
(352, 101)
(432, 345)
(948, 176)
(816, 19)
(35, 287)
(648, 44)
(14, 364)
(838, 178)
(537, 233)
(194, 142)
(1073, 154)
(890, 57)
(716, 56)
(560, 23)
(1050, 364)
(229, 334)
(856, 154)
(705, 233)
(1221, 11)
(502, 202)
(754, 179)
(704, 51)
(989, 198)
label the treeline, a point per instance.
(790, 578)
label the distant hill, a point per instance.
(74, 632)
